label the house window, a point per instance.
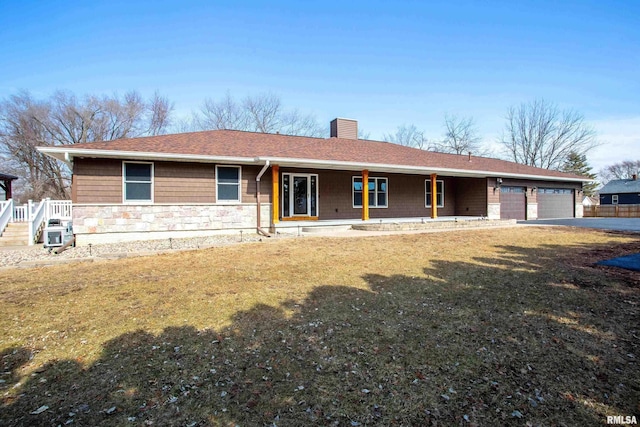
(439, 193)
(138, 182)
(378, 192)
(614, 199)
(228, 181)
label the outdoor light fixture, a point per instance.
(534, 189)
(498, 184)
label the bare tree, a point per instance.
(539, 134)
(223, 114)
(461, 137)
(159, 110)
(295, 123)
(363, 134)
(409, 136)
(264, 113)
(622, 170)
(22, 130)
(259, 113)
(63, 119)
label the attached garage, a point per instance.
(513, 203)
(555, 203)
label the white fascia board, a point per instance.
(420, 170)
(66, 154)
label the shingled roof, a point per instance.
(321, 153)
(621, 186)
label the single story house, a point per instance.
(222, 180)
(621, 192)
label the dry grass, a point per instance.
(508, 326)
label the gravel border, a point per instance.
(33, 256)
(37, 256)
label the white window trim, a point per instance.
(291, 175)
(427, 186)
(614, 199)
(124, 184)
(226, 201)
(371, 178)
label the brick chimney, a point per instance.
(344, 128)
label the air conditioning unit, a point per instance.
(57, 233)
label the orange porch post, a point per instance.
(275, 194)
(434, 196)
(365, 195)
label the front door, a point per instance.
(299, 195)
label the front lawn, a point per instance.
(484, 327)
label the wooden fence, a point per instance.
(613, 211)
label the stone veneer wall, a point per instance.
(493, 210)
(532, 210)
(95, 223)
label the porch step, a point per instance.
(325, 228)
(16, 234)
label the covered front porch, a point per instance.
(318, 198)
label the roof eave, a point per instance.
(67, 154)
(418, 170)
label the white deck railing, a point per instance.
(20, 213)
(36, 214)
(6, 214)
(59, 209)
(36, 220)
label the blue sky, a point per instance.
(383, 63)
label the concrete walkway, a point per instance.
(613, 224)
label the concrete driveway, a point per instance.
(617, 224)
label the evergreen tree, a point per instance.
(577, 164)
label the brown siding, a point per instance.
(74, 187)
(184, 183)
(406, 195)
(334, 196)
(470, 196)
(97, 181)
(249, 175)
(100, 181)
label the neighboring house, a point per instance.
(621, 192)
(208, 182)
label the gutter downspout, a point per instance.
(258, 227)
